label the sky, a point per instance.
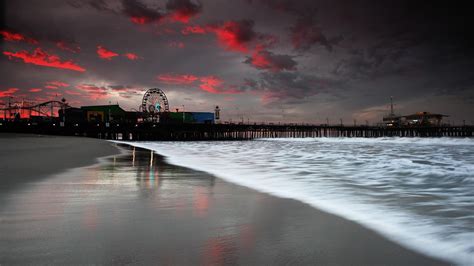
(300, 61)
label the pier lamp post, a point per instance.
(217, 114)
(183, 113)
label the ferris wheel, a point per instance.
(154, 102)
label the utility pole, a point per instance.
(327, 121)
(341, 121)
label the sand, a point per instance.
(134, 210)
(25, 158)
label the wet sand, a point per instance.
(135, 208)
(28, 158)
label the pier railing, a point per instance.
(157, 131)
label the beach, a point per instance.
(61, 205)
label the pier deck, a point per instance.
(182, 132)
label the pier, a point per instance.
(192, 132)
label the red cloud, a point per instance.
(58, 83)
(68, 47)
(177, 79)
(209, 84)
(139, 13)
(179, 17)
(55, 84)
(262, 59)
(94, 91)
(176, 44)
(70, 92)
(16, 37)
(193, 30)
(182, 10)
(131, 56)
(234, 35)
(35, 90)
(8, 92)
(42, 58)
(105, 54)
(140, 20)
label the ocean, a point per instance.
(416, 192)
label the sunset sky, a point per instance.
(263, 60)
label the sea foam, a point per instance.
(417, 192)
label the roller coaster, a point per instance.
(28, 109)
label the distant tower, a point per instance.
(217, 113)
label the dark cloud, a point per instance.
(290, 86)
(262, 59)
(234, 35)
(183, 10)
(304, 35)
(306, 31)
(139, 13)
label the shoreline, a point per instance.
(128, 209)
(328, 215)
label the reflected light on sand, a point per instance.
(201, 201)
(219, 251)
(133, 157)
(151, 158)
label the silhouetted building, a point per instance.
(104, 113)
(98, 114)
(424, 119)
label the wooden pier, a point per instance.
(191, 132)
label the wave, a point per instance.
(417, 192)
(383, 140)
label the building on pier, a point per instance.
(424, 119)
(98, 114)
